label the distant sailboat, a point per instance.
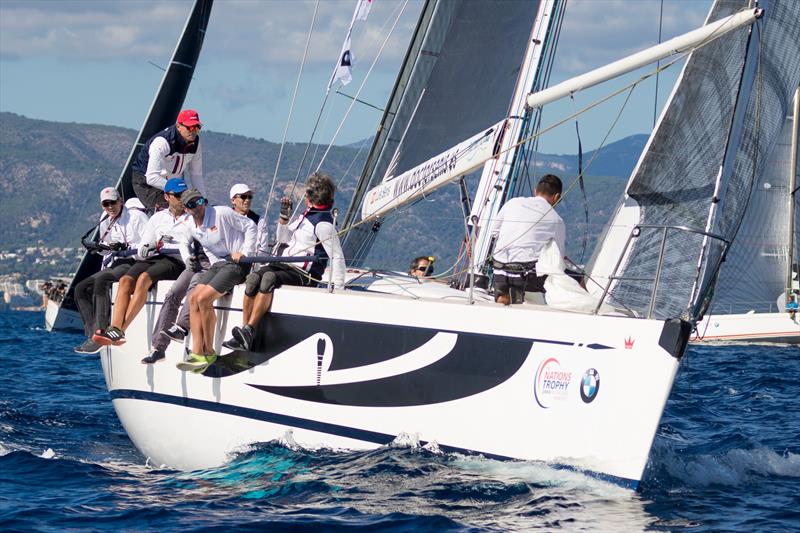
(163, 111)
(751, 295)
(356, 368)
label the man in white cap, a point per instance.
(242, 200)
(173, 152)
(120, 228)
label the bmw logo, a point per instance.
(590, 385)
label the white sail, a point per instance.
(434, 173)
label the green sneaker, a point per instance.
(197, 363)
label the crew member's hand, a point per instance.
(235, 256)
(287, 206)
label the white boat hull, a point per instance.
(749, 327)
(520, 382)
(58, 318)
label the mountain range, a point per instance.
(51, 174)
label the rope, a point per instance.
(291, 109)
(358, 93)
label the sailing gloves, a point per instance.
(287, 206)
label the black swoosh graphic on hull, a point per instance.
(476, 364)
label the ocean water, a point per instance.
(726, 457)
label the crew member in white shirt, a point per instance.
(522, 228)
(120, 228)
(311, 233)
(226, 237)
(165, 229)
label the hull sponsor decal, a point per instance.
(552, 383)
(590, 385)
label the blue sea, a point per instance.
(726, 457)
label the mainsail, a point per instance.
(457, 80)
(755, 271)
(163, 111)
(698, 174)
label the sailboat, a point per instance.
(761, 267)
(163, 111)
(391, 356)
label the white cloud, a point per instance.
(271, 32)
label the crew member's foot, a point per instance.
(176, 333)
(197, 362)
(108, 336)
(245, 336)
(154, 356)
(88, 347)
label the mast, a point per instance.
(163, 111)
(496, 178)
(792, 193)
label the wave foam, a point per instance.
(734, 467)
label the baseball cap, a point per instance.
(189, 195)
(239, 188)
(189, 117)
(109, 193)
(175, 185)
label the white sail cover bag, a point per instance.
(562, 291)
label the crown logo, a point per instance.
(629, 343)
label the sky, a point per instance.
(93, 61)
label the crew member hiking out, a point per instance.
(311, 233)
(165, 229)
(226, 237)
(173, 152)
(120, 229)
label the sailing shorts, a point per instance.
(159, 268)
(270, 277)
(223, 276)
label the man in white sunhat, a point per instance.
(120, 229)
(173, 152)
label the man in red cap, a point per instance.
(173, 152)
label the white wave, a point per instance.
(48, 454)
(735, 467)
(4, 450)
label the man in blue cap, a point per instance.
(165, 230)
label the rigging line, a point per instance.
(360, 101)
(583, 186)
(326, 118)
(308, 145)
(350, 166)
(660, 25)
(291, 109)
(358, 93)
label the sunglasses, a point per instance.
(176, 194)
(191, 204)
(245, 196)
(428, 269)
(196, 127)
(108, 203)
